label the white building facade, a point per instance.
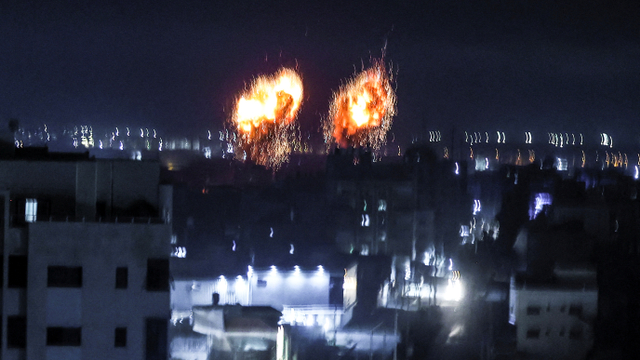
(77, 282)
(553, 321)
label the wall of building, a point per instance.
(278, 288)
(548, 324)
(97, 306)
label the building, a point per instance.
(85, 258)
(554, 320)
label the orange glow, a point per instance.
(362, 110)
(264, 118)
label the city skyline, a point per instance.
(538, 67)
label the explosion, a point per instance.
(264, 118)
(362, 110)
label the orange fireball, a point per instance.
(264, 118)
(362, 110)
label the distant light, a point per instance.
(477, 206)
(233, 248)
(270, 232)
(365, 220)
(635, 176)
(457, 171)
(179, 252)
(320, 268)
(454, 290)
(274, 268)
(291, 250)
(450, 264)
(296, 268)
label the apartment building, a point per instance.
(85, 258)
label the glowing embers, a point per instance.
(362, 110)
(263, 124)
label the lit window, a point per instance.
(30, 210)
(382, 205)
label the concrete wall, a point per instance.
(97, 306)
(290, 288)
(555, 322)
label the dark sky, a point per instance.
(536, 65)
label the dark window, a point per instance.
(158, 274)
(64, 336)
(156, 339)
(121, 337)
(575, 334)
(335, 290)
(533, 333)
(64, 276)
(533, 310)
(17, 271)
(17, 332)
(262, 283)
(575, 309)
(122, 277)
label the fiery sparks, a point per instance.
(362, 110)
(264, 118)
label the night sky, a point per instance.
(178, 66)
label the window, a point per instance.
(64, 336)
(17, 271)
(156, 339)
(122, 277)
(30, 210)
(533, 310)
(120, 337)
(64, 276)
(158, 274)
(16, 332)
(575, 334)
(533, 333)
(575, 309)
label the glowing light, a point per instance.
(233, 248)
(477, 206)
(457, 170)
(454, 290)
(637, 173)
(179, 252)
(541, 200)
(291, 250)
(362, 110)
(296, 268)
(274, 269)
(450, 264)
(264, 119)
(320, 269)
